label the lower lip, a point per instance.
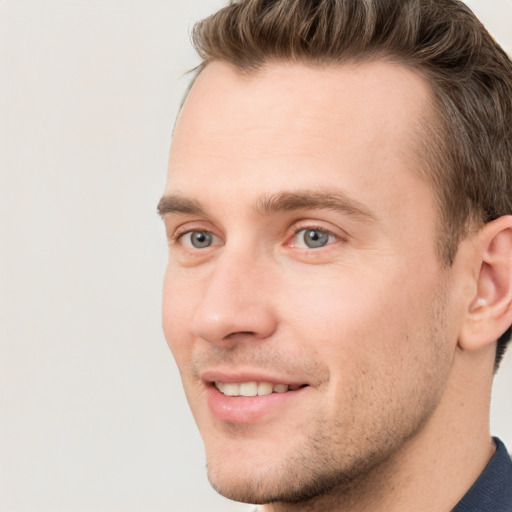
(247, 409)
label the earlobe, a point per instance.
(489, 313)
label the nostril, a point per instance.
(240, 333)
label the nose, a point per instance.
(236, 303)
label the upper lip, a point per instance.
(211, 376)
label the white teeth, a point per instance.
(230, 389)
(252, 388)
(248, 389)
(264, 388)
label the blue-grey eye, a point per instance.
(314, 238)
(200, 239)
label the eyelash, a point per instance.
(321, 229)
(180, 234)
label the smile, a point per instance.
(252, 388)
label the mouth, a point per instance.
(251, 398)
(253, 388)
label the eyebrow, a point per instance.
(314, 200)
(280, 202)
(178, 204)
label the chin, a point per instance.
(250, 485)
(291, 484)
(299, 475)
(244, 470)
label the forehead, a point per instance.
(298, 124)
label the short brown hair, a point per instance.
(469, 150)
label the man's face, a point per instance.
(302, 257)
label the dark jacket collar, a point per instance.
(492, 492)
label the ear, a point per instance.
(489, 313)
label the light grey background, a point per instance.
(92, 415)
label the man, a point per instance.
(339, 286)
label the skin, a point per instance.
(395, 412)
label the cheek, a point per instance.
(177, 310)
(339, 307)
(360, 322)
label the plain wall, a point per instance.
(92, 414)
